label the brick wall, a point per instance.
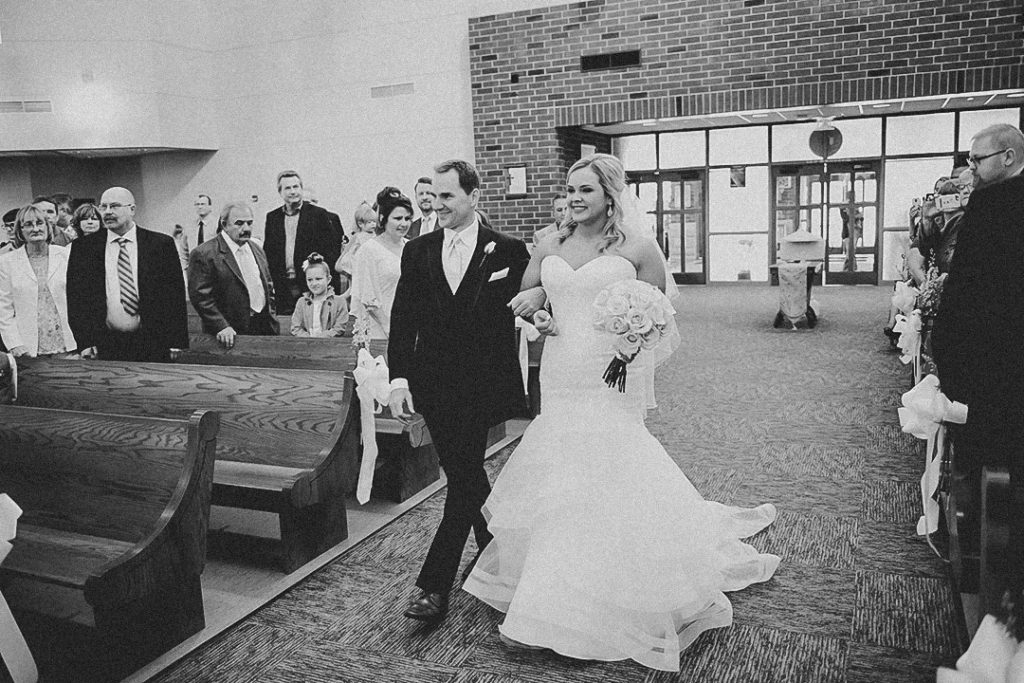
(709, 56)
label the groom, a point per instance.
(453, 351)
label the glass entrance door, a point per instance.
(842, 209)
(675, 206)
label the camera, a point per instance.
(947, 202)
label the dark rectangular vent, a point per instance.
(26, 107)
(610, 60)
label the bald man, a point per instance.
(978, 332)
(126, 296)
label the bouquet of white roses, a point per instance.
(637, 314)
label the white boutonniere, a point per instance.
(488, 250)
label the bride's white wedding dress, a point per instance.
(602, 548)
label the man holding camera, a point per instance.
(978, 332)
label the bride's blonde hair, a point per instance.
(612, 177)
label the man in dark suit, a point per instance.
(453, 349)
(229, 280)
(976, 337)
(126, 296)
(427, 222)
(293, 231)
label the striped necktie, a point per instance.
(129, 294)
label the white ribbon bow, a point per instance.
(924, 410)
(374, 389)
(13, 648)
(909, 327)
(904, 296)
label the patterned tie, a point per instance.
(129, 295)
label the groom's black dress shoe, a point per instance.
(428, 607)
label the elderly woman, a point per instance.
(377, 266)
(33, 295)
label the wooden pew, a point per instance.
(286, 436)
(407, 461)
(116, 510)
(195, 323)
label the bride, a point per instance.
(602, 548)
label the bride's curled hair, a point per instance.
(612, 177)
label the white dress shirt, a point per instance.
(250, 272)
(291, 228)
(428, 223)
(118, 318)
(457, 251)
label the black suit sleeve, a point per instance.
(171, 310)
(406, 312)
(202, 282)
(86, 290)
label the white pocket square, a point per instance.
(498, 274)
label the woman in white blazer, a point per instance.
(33, 291)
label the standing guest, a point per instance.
(64, 203)
(33, 291)
(294, 229)
(559, 204)
(197, 231)
(366, 229)
(7, 236)
(320, 312)
(453, 347)
(309, 195)
(86, 220)
(229, 281)
(126, 296)
(378, 265)
(977, 333)
(425, 196)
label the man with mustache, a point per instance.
(229, 281)
(126, 296)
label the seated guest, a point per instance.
(7, 236)
(366, 229)
(86, 220)
(126, 296)
(33, 291)
(377, 266)
(320, 312)
(229, 281)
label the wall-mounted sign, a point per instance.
(515, 181)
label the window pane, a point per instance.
(973, 121)
(738, 209)
(909, 178)
(738, 257)
(682, 150)
(919, 134)
(861, 138)
(636, 152)
(734, 146)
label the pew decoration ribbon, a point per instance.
(909, 327)
(13, 649)
(527, 333)
(924, 410)
(639, 315)
(904, 297)
(373, 387)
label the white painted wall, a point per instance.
(266, 85)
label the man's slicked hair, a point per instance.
(287, 174)
(469, 178)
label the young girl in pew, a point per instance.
(320, 312)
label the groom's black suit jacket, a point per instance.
(458, 351)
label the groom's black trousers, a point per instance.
(460, 450)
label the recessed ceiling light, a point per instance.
(880, 106)
(1015, 95)
(758, 116)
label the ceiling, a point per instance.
(1010, 98)
(100, 153)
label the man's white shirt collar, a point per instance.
(232, 245)
(469, 235)
(129, 235)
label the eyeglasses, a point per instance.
(977, 160)
(112, 207)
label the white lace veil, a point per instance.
(634, 226)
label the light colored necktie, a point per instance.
(253, 282)
(454, 271)
(129, 294)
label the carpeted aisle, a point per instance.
(805, 420)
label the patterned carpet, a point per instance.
(803, 419)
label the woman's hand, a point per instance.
(544, 323)
(529, 301)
